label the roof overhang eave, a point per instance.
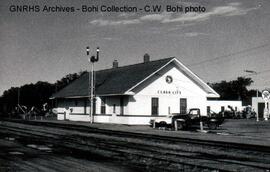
(130, 89)
(99, 95)
(213, 95)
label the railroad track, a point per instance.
(152, 152)
(81, 128)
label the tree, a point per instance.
(67, 79)
(29, 95)
(34, 94)
(235, 90)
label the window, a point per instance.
(195, 114)
(154, 107)
(114, 107)
(103, 106)
(208, 110)
(183, 105)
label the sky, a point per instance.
(229, 37)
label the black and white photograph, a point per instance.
(135, 85)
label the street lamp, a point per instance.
(91, 84)
(257, 91)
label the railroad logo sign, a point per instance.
(266, 95)
(169, 79)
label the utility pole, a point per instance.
(19, 96)
(91, 83)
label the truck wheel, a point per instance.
(162, 124)
(180, 125)
(212, 125)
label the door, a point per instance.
(67, 113)
(94, 106)
(260, 109)
(84, 106)
(121, 105)
(154, 106)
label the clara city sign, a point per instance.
(176, 92)
(169, 80)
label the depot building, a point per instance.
(135, 94)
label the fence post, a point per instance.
(201, 125)
(175, 125)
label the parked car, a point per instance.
(248, 112)
(183, 121)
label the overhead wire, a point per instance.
(229, 55)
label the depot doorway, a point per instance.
(260, 109)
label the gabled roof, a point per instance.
(114, 81)
(121, 80)
(210, 92)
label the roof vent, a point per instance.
(115, 64)
(146, 58)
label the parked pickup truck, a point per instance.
(183, 121)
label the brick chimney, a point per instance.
(146, 58)
(115, 64)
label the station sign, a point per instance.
(175, 92)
